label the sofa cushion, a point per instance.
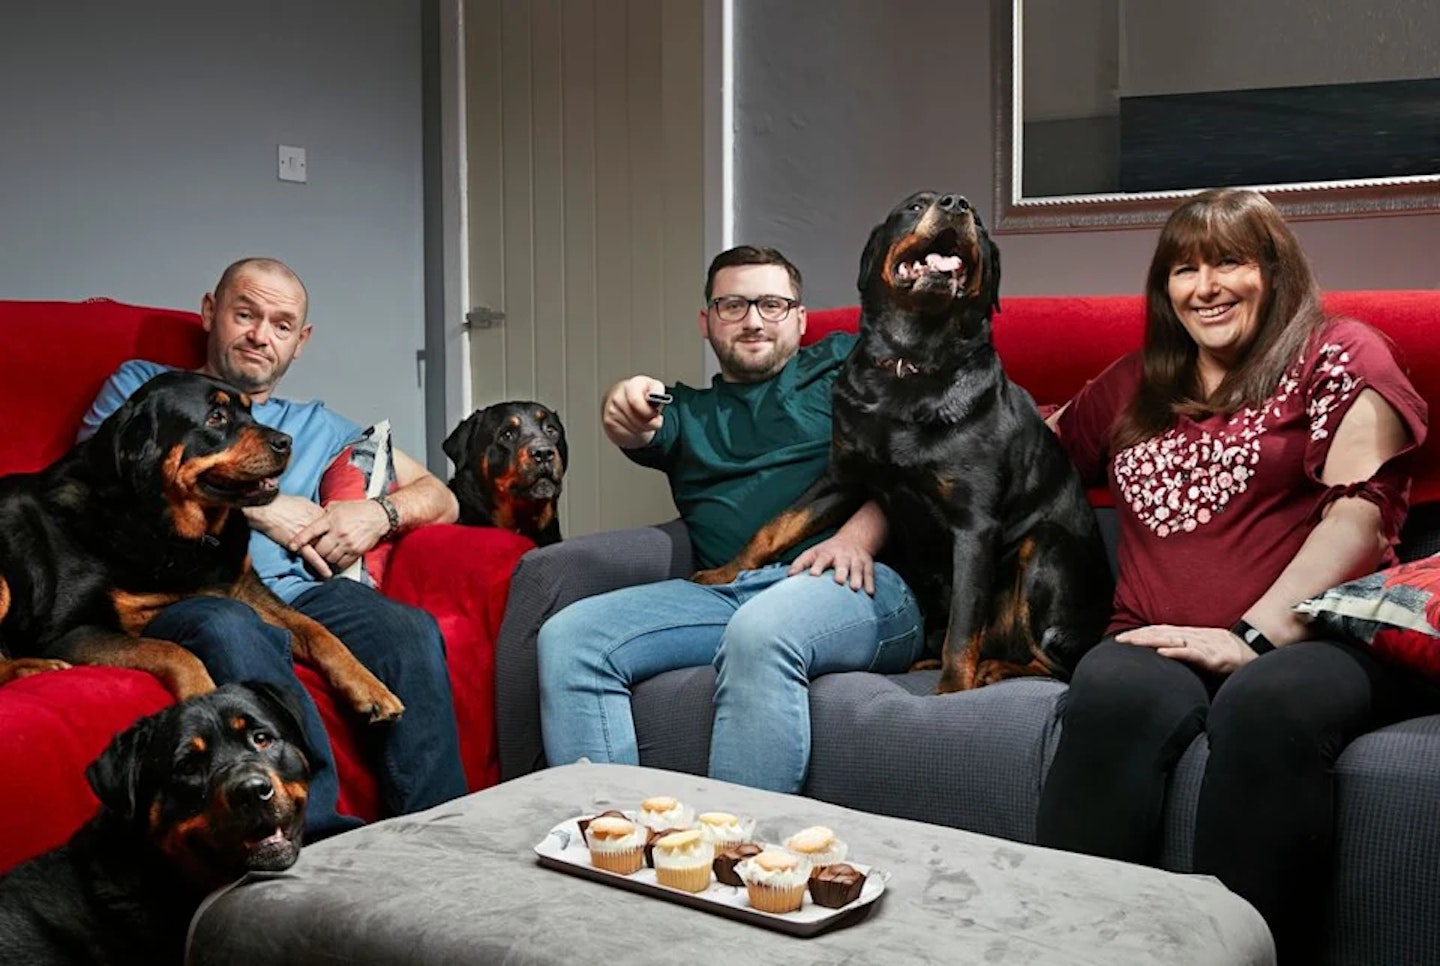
(1396, 612)
(363, 470)
(56, 357)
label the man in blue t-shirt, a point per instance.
(257, 324)
(736, 454)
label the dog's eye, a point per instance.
(217, 417)
(915, 206)
(261, 739)
(190, 764)
(506, 435)
(551, 430)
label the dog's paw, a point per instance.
(716, 575)
(384, 707)
(23, 667)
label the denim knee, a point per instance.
(753, 638)
(223, 633)
(557, 646)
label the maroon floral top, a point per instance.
(1212, 511)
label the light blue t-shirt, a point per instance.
(319, 435)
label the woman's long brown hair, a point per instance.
(1213, 225)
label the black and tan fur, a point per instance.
(988, 521)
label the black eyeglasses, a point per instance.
(733, 308)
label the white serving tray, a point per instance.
(564, 849)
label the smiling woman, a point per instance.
(1107, 112)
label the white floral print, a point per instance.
(1183, 479)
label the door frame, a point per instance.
(447, 341)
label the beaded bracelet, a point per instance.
(391, 514)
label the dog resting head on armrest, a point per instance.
(510, 459)
(191, 798)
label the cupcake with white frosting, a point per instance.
(616, 844)
(724, 829)
(817, 845)
(662, 811)
(683, 860)
(774, 880)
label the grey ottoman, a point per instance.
(460, 884)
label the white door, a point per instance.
(585, 154)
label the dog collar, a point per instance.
(903, 367)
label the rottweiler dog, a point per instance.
(988, 521)
(510, 461)
(191, 798)
(145, 512)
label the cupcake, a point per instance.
(682, 861)
(729, 857)
(656, 834)
(584, 823)
(724, 829)
(833, 886)
(616, 844)
(774, 881)
(662, 811)
(817, 845)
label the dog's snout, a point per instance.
(252, 790)
(279, 442)
(542, 454)
(953, 203)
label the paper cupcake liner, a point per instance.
(773, 899)
(689, 878)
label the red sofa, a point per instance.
(54, 356)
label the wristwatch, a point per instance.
(1251, 635)
(392, 514)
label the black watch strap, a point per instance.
(1251, 635)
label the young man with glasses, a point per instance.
(736, 454)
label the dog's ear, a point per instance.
(561, 444)
(126, 442)
(115, 777)
(457, 444)
(283, 707)
(870, 259)
(992, 274)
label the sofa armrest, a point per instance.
(549, 579)
(461, 576)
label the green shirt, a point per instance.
(739, 453)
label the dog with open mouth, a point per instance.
(191, 798)
(510, 460)
(144, 513)
(989, 523)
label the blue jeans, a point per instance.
(767, 635)
(419, 754)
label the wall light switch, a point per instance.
(292, 163)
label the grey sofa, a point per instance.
(886, 744)
(977, 760)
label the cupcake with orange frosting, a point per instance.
(616, 844)
(774, 880)
(683, 860)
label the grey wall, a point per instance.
(845, 106)
(137, 159)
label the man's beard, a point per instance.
(742, 366)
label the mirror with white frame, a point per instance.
(1108, 111)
